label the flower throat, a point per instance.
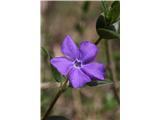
(77, 63)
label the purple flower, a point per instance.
(78, 63)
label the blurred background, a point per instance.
(77, 19)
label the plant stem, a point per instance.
(98, 40)
(112, 70)
(61, 90)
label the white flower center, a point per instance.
(77, 63)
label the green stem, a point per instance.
(111, 68)
(61, 90)
(98, 40)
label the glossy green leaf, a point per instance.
(94, 83)
(107, 34)
(104, 29)
(102, 22)
(114, 13)
(57, 118)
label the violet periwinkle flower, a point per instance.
(79, 64)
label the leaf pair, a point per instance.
(104, 24)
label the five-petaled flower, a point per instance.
(79, 64)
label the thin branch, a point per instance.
(61, 90)
(98, 40)
(112, 70)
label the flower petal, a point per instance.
(69, 48)
(62, 64)
(88, 51)
(78, 78)
(94, 70)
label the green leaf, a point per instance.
(94, 83)
(114, 13)
(104, 29)
(56, 75)
(57, 118)
(105, 22)
(102, 22)
(105, 7)
(45, 51)
(107, 34)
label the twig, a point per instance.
(112, 70)
(61, 90)
(98, 40)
